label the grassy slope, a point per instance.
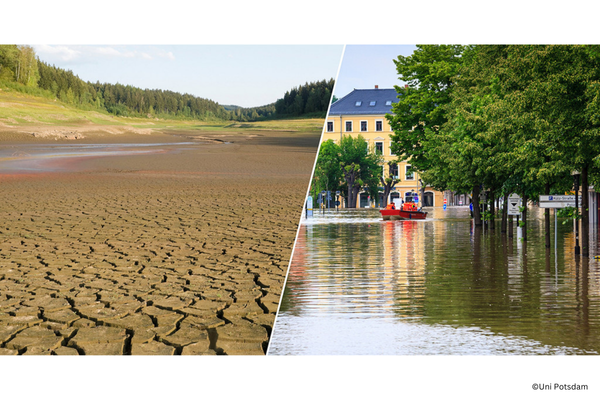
(21, 111)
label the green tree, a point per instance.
(8, 60)
(360, 167)
(429, 73)
(328, 174)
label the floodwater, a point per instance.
(360, 285)
(38, 158)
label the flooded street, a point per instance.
(360, 285)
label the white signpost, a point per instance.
(514, 202)
(557, 201)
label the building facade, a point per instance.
(362, 112)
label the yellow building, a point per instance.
(362, 112)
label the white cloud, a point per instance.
(165, 54)
(85, 54)
(63, 53)
(106, 51)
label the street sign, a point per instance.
(514, 202)
(445, 201)
(556, 204)
(559, 197)
(416, 199)
(445, 206)
(556, 201)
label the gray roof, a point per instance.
(347, 104)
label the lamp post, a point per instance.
(576, 186)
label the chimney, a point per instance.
(406, 86)
(376, 86)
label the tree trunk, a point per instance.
(547, 218)
(498, 204)
(492, 210)
(351, 199)
(585, 213)
(510, 226)
(504, 214)
(356, 196)
(476, 213)
(387, 189)
(524, 230)
(350, 175)
(386, 193)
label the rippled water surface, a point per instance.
(360, 285)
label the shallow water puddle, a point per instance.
(41, 158)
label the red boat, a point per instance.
(408, 211)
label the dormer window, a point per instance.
(358, 103)
(388, 103)
(372, 104)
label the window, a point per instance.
(391, 151)
(372, 104)
(378, 147)
(358, 103)
(348, 126)
(409, 175)
(410, 197)
(388, 103)
(363, 126)
(394, 171)
(329, 126)
(378, 126)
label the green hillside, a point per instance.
(22, 71)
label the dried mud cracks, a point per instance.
(127, 269)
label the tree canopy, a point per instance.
(348, 167)
(502, 118)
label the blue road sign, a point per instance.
(444, 207)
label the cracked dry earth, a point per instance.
(168, 261)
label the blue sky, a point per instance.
(365, 66)
(247, 75)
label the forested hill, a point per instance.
(19, 64)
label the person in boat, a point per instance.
(390, 206)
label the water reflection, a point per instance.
(360, 285)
